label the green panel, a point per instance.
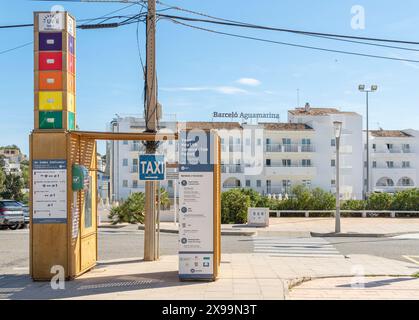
(50, 120)
(71, 121)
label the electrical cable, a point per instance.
(293, 44)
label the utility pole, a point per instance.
(151, 122)
(363, 88)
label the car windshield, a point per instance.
(9, 204)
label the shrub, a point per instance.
(379, 201)
(407, 200)
(234, 204)
(131, 211)
(353, 205)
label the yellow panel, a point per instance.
(52, 100)
(71, 103)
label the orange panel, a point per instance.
(50, 80)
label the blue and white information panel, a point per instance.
(49, 191)
(196, 207)
(152, 167)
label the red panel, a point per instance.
(50, 61)
(71, 63)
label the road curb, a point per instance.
(357, 235)
(223, 232)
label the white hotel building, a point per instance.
(273, 157)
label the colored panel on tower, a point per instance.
(50, 120)
(50, 60)
(50, 100)
(71, 61)
(50, 41)
(51, 80)
(71, 102)
(71, 44)
(71, 122)
(71, 83)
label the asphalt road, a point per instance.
(128, 242)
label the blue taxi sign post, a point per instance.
(152, 167)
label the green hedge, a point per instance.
(234, 203)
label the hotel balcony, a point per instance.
(232, 168)
(394, 150)
(292, 170)
(289, 148)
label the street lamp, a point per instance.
(362, 88)
(338, 131)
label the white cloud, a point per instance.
(229, 90)
(249, 82)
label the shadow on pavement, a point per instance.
(379, 283)
(14, 286)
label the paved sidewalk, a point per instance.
(243, 276)
(303, 227)
(368, 288)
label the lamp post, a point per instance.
(338, 131)
(362, 88)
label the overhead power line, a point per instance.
(293, 44)
(15, 48)
(252, 26)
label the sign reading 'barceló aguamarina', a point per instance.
(246, 116)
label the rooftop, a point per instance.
(286, 126)
(318, 111)
(389, 134)
(207, 125)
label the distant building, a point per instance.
(394, 160)
(13, 154)
(300, 151)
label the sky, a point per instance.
(200, 72)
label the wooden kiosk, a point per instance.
(63, 179)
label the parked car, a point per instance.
(25, 209)
(11, 214)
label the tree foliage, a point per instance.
(12, 188)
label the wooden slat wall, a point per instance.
(48, 241)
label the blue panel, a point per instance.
(152, 167)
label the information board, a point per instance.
(49, 191)
(196, 207)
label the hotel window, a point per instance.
(306, 162)
(286, 141)
(406, 147)
(333, 163)
(258, 183)
(268, 141)
(333, 142)
(124, 162)
(307, 183)
(333, 182)
(389, 146)
(268, 162)
(222, 140)
(259, 142)
(170, 183)
(306, 141)
(406, 164)
(374, 146)
(135, 184)
(125, 183)
(247, 183)
(390, 164)
(125, 142)
(286, 162)
(238, 141)
(374, 164)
